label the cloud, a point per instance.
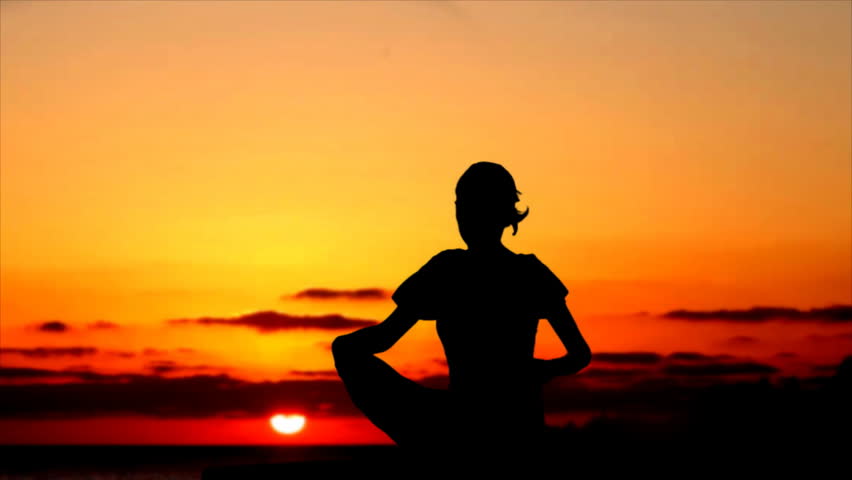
(85, 373)
(742, 340)
(205, 395)
(831, 314)
(824, 368)
(162, 367)
(81, 372)
(314, 373)
(196, 396)
(332, 294)
(270, 321)
(103, 325)
(613, 373)
(641, 358)
(156, 352)
(53, 327)
(452, 10)
(121, 354)
(697, 357)
(819, 338)
(719, 368)
(46, 352)
(677, 367)
(24, 372)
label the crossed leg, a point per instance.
(412, 415)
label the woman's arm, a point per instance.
(579, 355)
(375, 338)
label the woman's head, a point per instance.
(485, 202)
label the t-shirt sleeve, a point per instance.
(419, 293)
(551, 290)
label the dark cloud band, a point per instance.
(832, 314)
(641, 358)
(333, 294)
(46, 352)
(270, 321)
(53, 327)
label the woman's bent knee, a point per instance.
(347, 360)
(342, 348)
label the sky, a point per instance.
(163, 163)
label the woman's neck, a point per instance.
(496, 248)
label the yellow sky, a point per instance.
(175, 159)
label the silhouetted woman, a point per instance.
(486, 302)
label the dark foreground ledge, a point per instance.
(677, 458)
(284, 470)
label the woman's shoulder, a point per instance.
(448, 254)
(457, 255)
(541, 272)
(452, 255)
(443, 258)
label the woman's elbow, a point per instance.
(584, 357)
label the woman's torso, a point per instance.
(487, 328)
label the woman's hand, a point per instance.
(543, 371)
(579, 355)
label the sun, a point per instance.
(287, 424)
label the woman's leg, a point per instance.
(409, 413)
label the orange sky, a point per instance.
(165, 160)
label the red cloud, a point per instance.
(45, 352)
(831, 314)
(54, 327)
(332, 294)
(102, 325)
(270, 321)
